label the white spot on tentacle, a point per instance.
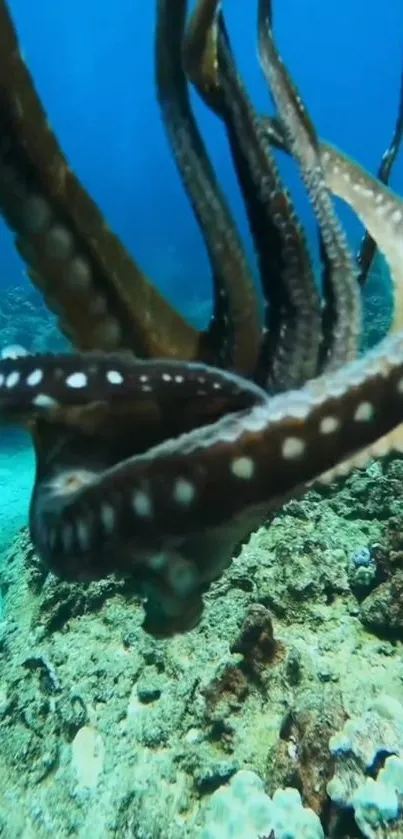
(183, 492)
(83, 535)
(328, 425)
(243, 467)
(158, 561)
(43, 400)
(364, 412)
(35, 377)
(182, 576)
(114, 377)
(141, 503)
(77, 380)
(293, 448)
(12, 379)
(108, 517)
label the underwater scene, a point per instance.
(201, 407)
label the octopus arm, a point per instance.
(368, 248)
(235, 332)
(377, 206)
(292, 333)
(304, 145)
(67, 388)
(248, 460)
(102, 298)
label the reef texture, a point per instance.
(25, 320)
(108, 732)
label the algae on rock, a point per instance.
(108, 732)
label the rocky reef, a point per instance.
(25, 320)
(263, 710)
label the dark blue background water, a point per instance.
(92, 61)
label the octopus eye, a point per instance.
(72, 482)
(67, 483)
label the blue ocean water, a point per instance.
(93, 66)
(102, 725)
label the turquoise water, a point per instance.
(16, 479)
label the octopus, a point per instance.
(160, 447)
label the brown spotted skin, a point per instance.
(107, 501)
(236, 327)
(291, 340)
(340, 278)
(94, 412)
(161, 467)
(251, 455)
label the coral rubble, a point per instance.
(109, 732)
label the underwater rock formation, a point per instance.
(242, 810)
(368, 744)
(107, 730)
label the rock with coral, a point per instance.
(378, 803)
(365, 743)
(242, 810)
(107, 732)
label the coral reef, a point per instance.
(242, 810)
(109, 732)
(373, 740)
(378, 804)
(378, 303)
(24, 319)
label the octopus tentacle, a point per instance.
(102, 298)
(96, 391)
(207, 477)
(368, 247)
(236, 304)
(159, 468)
(89, 413)
(379, 209)
(376, 205)
(303, 142)
(291, 340)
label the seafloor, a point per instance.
(107, 732)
